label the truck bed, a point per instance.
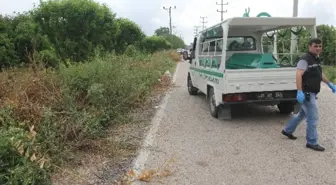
(259, 80)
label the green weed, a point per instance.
(46, 118)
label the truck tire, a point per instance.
(212, 103)
(286, 107)
(191, 89)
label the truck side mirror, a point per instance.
(185, 55)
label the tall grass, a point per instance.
(45, 117)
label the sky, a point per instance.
(150, 15)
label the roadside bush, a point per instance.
(175, 56)
(19, 161)
(129, 33)
(46, 118)
(77, 27)
(175, 41)
(155, 43)
(131, 51)
(330, 72)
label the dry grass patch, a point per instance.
(72, 111)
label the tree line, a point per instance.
(72, 30)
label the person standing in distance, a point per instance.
(308, 81)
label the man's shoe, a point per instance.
(290, 136)
(315, 147)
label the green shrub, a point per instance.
(61, 110)
(155, 43)
(330, 72)
(20, 164)
(131, 51)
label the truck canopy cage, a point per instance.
(257, 24)
(265, 24)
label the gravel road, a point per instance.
(246, 150)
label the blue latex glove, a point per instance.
(300, 97)
(332, 87)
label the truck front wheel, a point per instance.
(191, 89)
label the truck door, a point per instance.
(193, 60)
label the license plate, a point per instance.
(278, 95)
(269, 95)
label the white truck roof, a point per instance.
(266, 23)
(276, 21)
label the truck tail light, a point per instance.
(234, 97)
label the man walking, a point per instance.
(308, 81)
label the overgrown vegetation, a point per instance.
(175, 41)
(70, 70)
(46, 117)
(330, 72)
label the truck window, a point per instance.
(219, 45)
(212, 46)
(205, 47)
(241, 44)
(210, 52)
(215, 46)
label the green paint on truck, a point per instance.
(208, 72)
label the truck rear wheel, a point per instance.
(191, 89)
(212, 103)
(286, 107)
